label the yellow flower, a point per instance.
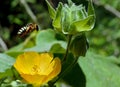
(37, 69)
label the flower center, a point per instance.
(35, 69)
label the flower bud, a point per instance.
(71, 19)
(79, 45)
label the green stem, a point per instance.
(51, 84)
(67, 50)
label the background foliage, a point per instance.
(100, 67)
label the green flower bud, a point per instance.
(71, 19)
(79, 45)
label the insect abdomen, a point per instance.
(27, 29)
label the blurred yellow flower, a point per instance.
(37, 69)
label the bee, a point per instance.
(27, 29)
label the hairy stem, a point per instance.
(68, 45)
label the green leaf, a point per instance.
(56, 48)
(20, 48)
(5, 62)
(5, 74)
(14, 52)
(74, 77)
(83, 25)
(90, 8)
(100, 71)
(15, 48)
(45, 40)
(51, 10)
(57, 19)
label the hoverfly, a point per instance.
(27, 29)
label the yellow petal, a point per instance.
(36, 79)
(25, 62)
(56, 69)
(44, 63)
